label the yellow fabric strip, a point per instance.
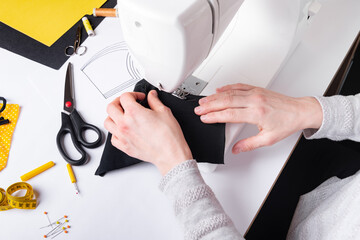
(11, 112)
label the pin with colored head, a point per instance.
(46, 213)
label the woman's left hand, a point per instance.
(152, 135)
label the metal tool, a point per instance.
(76, 49)
(74, 125)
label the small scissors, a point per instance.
(74, 125)
(76, 49)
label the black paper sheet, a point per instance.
(53, 56)
(206, 141)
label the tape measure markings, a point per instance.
(8, 201)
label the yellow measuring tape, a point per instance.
(8, 201)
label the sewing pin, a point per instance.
(54, 229)
(57, 231)
(56, 222)
(57, 234)
(46, 213)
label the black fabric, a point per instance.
(312, 163)
(53, 56)
(206, 141)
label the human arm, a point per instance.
(153, 135)
(195, 205)
(277, 116)
(341, 118)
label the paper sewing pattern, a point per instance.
(43, 20)
(117, 62)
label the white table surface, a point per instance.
(126, 204)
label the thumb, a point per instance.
(251, 143)
(154, 101)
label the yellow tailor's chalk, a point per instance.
(37, 171)
(88, 27)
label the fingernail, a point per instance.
(199, 110)
(203, 117)
(237, 150)
(202, 100)
(154, 92)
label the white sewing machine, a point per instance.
(170, 39)
(199, 45)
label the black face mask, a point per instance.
(206, 141)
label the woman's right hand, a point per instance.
(276, 115)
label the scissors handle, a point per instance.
(80, 50)
(4, 104)
(80, 126)
(67, 128)
(71, 50)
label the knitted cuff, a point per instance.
(189, 164)
(338, 119)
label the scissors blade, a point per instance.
(78, 33)
(68, 95)
(78, 38)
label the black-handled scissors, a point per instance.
(74, 125)
(3, 104)
(2, 119)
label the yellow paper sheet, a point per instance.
(45, 20)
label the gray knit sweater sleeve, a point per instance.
(195, 204)
(341, 118)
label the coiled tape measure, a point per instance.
(8, 201)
